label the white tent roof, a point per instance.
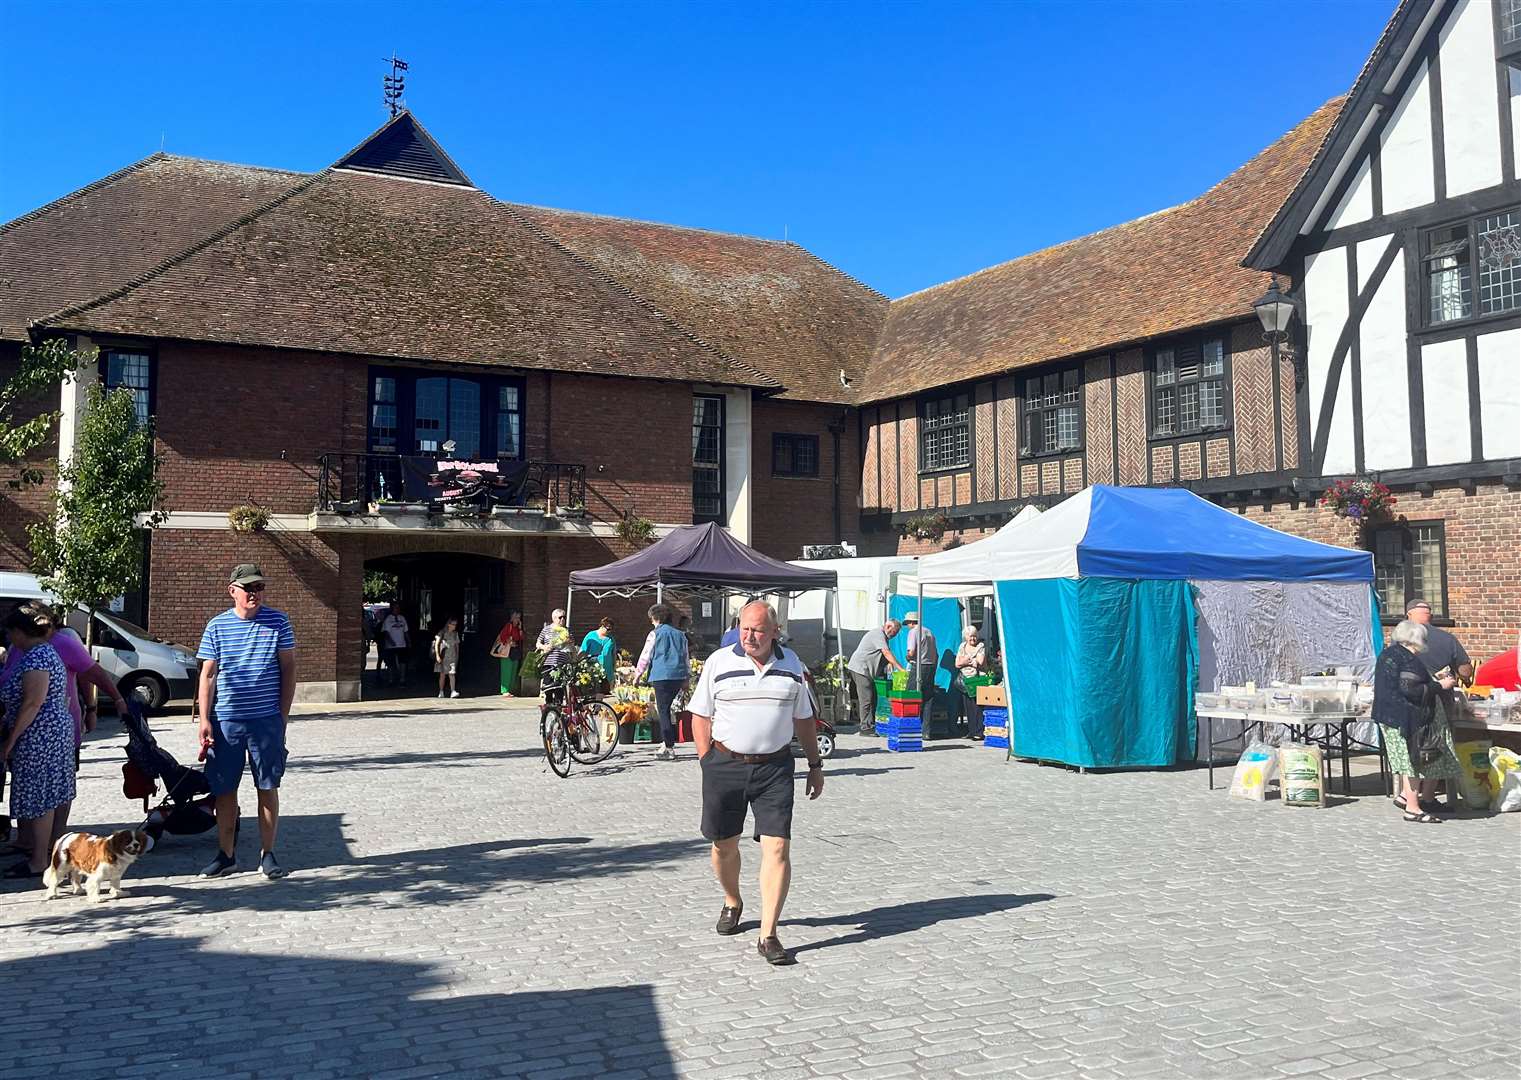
(972, 569)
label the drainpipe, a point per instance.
(836, 429)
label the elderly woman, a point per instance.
(38, 741)
(666, 659)
(971, 660)
(554, 644)
(1404, 706)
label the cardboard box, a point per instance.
(992, 695)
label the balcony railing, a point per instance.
(353, 483)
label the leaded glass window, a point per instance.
(707, 459)
(1188, 388)
(383, 416)
(1053, 412)
(1410, 562)
(1473, 269)
(945, 433)
(1499, 241)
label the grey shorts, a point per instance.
(731, 787)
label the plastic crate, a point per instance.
(995, 733)
(643, 733)
(974, 682)
(995, 716)
(906, 695)
(997, 742)
(896, 729)
(905, 744)
(900, 707)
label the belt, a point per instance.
(756, 759)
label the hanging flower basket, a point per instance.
(926, 526)
(1361, 501)
(635, 531)
(248, 518)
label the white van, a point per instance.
(154, 670)
(865, 584)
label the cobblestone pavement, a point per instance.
(455, 910)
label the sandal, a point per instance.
(21, 871)
(1423, 818)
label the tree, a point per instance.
(90, 548)
(379, 586)
(42, 368)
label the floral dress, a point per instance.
(42, 761)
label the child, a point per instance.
(446, 656)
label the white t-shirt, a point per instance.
(752, 707)
(395, 629)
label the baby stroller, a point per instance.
(188, 807)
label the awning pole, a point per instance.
(569, 592)
(919, 660)
(839, 648)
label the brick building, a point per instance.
(298, 338)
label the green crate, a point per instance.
(979, 680)
(906, 695)
(644, 733)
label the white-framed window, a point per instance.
(134, 371)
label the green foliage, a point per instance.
(531, 665)
(829, 675)
(90, 548)
(43, 368)
(248, 518)
(379, 586)
(634, 530)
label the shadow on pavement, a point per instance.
(199, 1011)
(323, 874)
(906, 918)
(457, 759)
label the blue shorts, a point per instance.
(234, 742)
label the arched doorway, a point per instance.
(429, 587)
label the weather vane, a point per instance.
(395, 84)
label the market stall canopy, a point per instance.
(1156, 534)
(972, 569)
(700, 557)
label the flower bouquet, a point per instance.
(1358, 500)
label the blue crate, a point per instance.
(997, 742)
(880, 726)
(905, 744)
(995, 715)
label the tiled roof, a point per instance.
(1156, 275)
(353, 262)
(770, 304)
(118, 228)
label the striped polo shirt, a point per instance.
(752, 708)
(248, 664)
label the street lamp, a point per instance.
(1275, 310)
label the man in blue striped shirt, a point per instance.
(250, 666)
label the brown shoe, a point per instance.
(728, 920)
(772, 952)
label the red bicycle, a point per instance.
(575, 727)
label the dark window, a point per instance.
(1053, 412)
(416, 413)
(1188, 388)
(945, 433)
(509, 422)
(794, 455)
(134, 371)
(1410, 562)
(1473, 268)
(708, 459)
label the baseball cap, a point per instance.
(245, 574)
(1418, 603)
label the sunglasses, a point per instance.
(252, 587)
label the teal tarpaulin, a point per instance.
(1101, 671)
(942, 617)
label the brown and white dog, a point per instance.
(94, 860)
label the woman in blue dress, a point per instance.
(38, 739)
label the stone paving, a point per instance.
(456, 910)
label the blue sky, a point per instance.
(906, 143)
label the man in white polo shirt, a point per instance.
(751, 701)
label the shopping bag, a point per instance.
(1505, 777)
(1474, 784)
(1254, 771)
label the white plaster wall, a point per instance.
(1515, 114)
(1357, 204)
(1368, 254)
(1325, 314)
(1444, 374)
(737, 425)
(1500, 393)
(1405, 154)
(1470, 115)
(1385, 377)
(71, 403)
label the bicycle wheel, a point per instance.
(556, 745)
(593, 722)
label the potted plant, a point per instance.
(1360, 501)
(396, 506)
(248, 518)
(528, 677)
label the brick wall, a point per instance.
(20, 508)
(1483, 534)
(788, 512)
